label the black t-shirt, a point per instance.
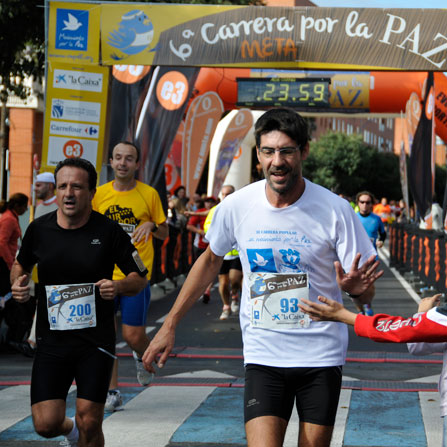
(79, 256)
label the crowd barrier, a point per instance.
(173, 256)
(423, 252)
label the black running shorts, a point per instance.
(230, 264)
(272, 391)
(55, 368)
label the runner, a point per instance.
(289, 232)
(75, 250)
(137, 208)
(376, 231)
(230, 274)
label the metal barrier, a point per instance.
(422, 252)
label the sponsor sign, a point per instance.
(75, 114)
(60, 148)
(71, 29)
(77, 80)
(236, 131)
(74, 129)
(201, 121)
(75, 110)
(73, 32)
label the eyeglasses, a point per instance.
(283, 151)
(365, 202)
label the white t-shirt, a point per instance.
(306, 237)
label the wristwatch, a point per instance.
(352, 295)
(155, 228)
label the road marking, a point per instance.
(162, 319)
(384, 255)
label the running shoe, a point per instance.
(225, 313)
(114, 401)
(67, 443)
(206, 298)
(234, 306)
(144, 377)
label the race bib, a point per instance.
(71, 306)
(128, 228)
(274, 299)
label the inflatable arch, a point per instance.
(350, 92)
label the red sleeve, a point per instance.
(429, 327)
(6, 230)
(194, 220)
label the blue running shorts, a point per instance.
(134, 308)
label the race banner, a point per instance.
(280, 37)
(163, 106)
(201, 121)
(75, 114)
(420, 167)
(173, 163)
(236, 131)
(129, 84)
(401, 141)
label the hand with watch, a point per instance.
(358, 280)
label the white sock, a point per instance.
(74, 434)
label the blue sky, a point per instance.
(440, 4)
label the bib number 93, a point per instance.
(289, 305)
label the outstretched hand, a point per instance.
(358, 280)
(428, 303)
(327, 310)
(162, 343)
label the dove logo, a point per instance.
(72, 29)
(261, 260)
(134, 34)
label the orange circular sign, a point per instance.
(129, 74)
(73, 149)
(172, 90)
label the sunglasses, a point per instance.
(365, 202)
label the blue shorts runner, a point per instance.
(134, 308)
(272, 391)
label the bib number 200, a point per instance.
(80, 310)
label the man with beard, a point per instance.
(290, 233)
(44, 188)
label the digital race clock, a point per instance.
(290, 92)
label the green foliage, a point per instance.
(21, 44)
(346, 165)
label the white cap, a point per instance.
(45, 177)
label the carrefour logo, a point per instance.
(77, 80)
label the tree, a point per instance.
(21, 45)
(346, 165)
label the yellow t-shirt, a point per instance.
(130, 209)
(207, 223)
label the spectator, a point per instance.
(17, 316)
